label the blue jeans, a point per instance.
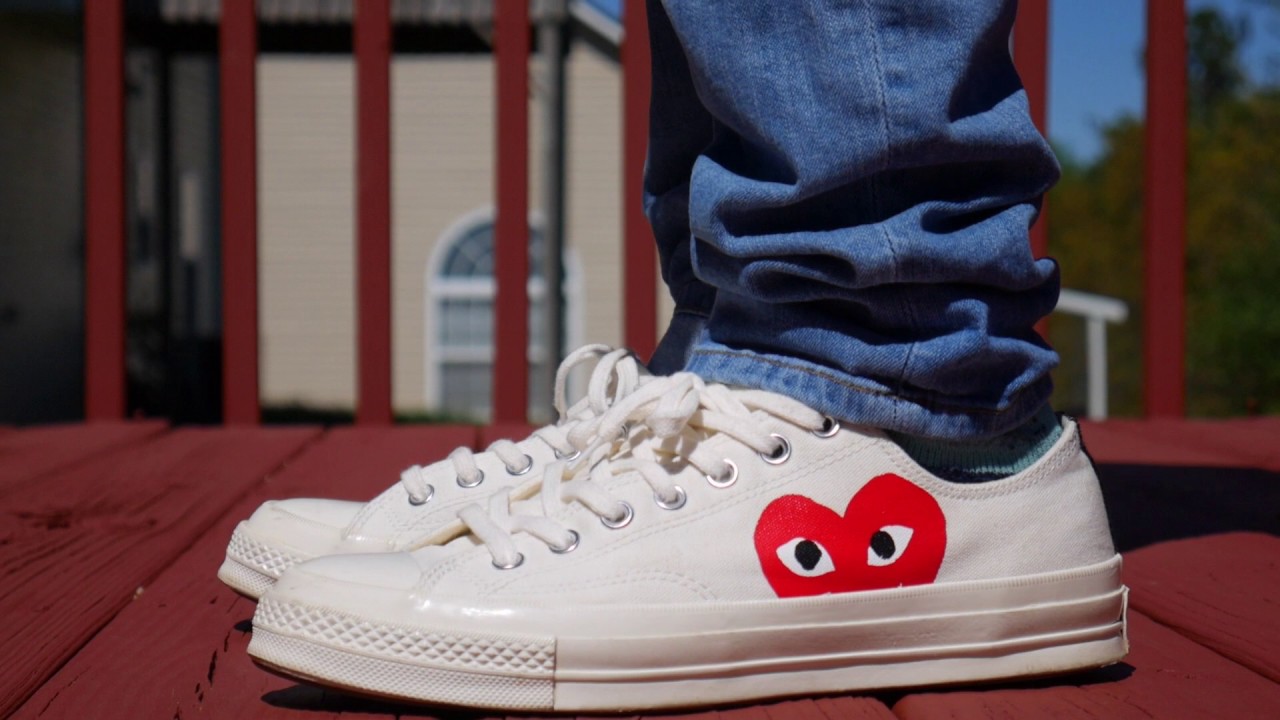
(841, 194)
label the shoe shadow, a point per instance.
(1148, 504)
(317, 699)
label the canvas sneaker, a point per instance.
(282, 533)
(740, 546)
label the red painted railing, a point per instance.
(105, 202)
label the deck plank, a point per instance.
(1165, 676)
(1221, 591)
(30, 453)
(186, 635)
(1241, 442)
(78, 545)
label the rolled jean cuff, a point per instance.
(860, 401)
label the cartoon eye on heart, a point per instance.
(892, 533)
(805, 558)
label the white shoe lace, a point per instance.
(678, 412)
(617, 374)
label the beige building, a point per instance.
(443, 165)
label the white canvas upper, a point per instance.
(829, 546)
(282, 533)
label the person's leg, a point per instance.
(863, 218)
(679, 130)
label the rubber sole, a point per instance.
(1004, 629)
(251, 566)
(243, 579)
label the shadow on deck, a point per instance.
(110, 536)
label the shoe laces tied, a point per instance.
(676, 414)
(617, 373)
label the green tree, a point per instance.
(1233, 239)
(1214, 72)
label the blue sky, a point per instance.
(1094, 76)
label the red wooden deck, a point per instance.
(110, 535)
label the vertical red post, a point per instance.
(372, 23)
(1164, 216)
(1031, 56)
(104, 210)
(511, 226)
(237, 65)
(640, 277)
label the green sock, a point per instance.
(988, 459)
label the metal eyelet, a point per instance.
(528, 465)
(479, 479)
(830, 426)
(431, 492)
(681, 498)
(727, 477)
(573, 544)
(780, 454)
(518, 562)
(627, 514)
(568, 457)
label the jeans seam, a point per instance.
(932, 403)
(877, 54)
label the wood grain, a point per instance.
(1244, 442)
(185, 637)
(30, 453)
(1221, 591)
(79, 545)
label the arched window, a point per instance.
(459, 320)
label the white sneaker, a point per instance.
(744, 547)
(282, 533)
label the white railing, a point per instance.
(1097, 311)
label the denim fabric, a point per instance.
(843, 190)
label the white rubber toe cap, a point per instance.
(283, 533)
(301, 527)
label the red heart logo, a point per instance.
(891, 534)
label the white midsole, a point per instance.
(945, 633)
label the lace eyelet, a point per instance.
(780, 454)
(830, 426)
(627, 514)
(681, 498)
(517, 563)
(568, 457)
(573, 544)
(727, 477)
(479, 479)
(431, 492)
(528, 465)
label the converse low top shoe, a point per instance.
(282, 533)
(739, 546)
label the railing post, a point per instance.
(640, 277)
(104, 211)
(237, 75)
(1031, 56)
(511, 226)
(1164, 216)
(372, 28)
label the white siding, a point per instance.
(442, 139)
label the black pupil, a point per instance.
(808, 554)
(882, 544)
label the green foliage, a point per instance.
(1233, 257)
(1213, 52)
